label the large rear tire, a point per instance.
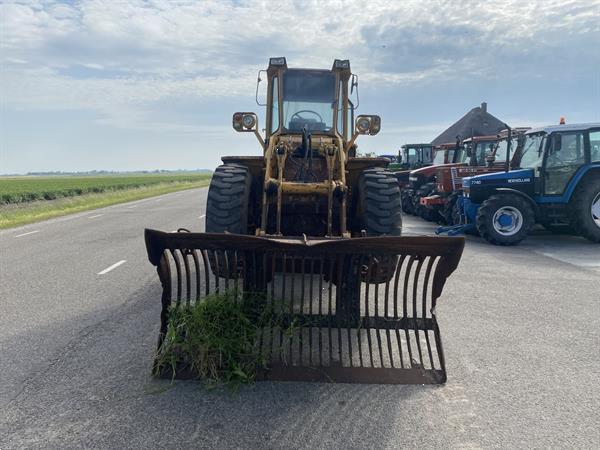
(228, 200)
(380, 205)
(585, 210)
(505, 219)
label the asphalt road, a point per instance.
(78, 327)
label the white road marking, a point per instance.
(97, 215)
(25, 234)
(114, 266)
(202, 216)
(132, 206)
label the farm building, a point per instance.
(477, 122)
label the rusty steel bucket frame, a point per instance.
(361, 310)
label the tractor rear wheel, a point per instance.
(228, 200)
(585, 210)
(505, 219)
(380, 206)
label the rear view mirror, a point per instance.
(262, 100)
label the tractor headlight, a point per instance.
(280, 61)
(362, 125)
(248, 121)
(244, 121)
(368, 125)
(341, 64)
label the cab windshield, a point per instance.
(482, 149)
(502, 147)
(532, 155)
(461, 155)
(439, 157)
(308, 100)
(411, 155)
(417, 155)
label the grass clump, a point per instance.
(214, 340)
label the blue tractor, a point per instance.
(557, 184)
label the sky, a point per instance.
(138, 85)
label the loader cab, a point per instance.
(308, 99)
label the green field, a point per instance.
(31, 188)
(30, 199)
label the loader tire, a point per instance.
(380, 214)
(380, 203)
(505, 219)
(585, 210)
(227, 211)
(228, 200)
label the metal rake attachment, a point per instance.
(342, 310)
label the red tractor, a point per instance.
(485, 154)
(411, 181)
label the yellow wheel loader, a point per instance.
(309, 180)
(312, 231)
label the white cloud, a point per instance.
(141, 52)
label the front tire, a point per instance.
(505, 219)
(585, 210)
(380, 205)
(380, 213)
(227, 207)
(450, 211)
(228, 200)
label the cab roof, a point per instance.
(416, 145)
(567, 127)
(494, 137)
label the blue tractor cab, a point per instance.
(557, 184)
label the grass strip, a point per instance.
(24, 213)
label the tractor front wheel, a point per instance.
(505, 219)
(585, 210)
(450, 211)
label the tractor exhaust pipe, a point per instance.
(508, 144)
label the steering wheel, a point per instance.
(297, 113)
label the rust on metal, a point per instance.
(356, 310)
